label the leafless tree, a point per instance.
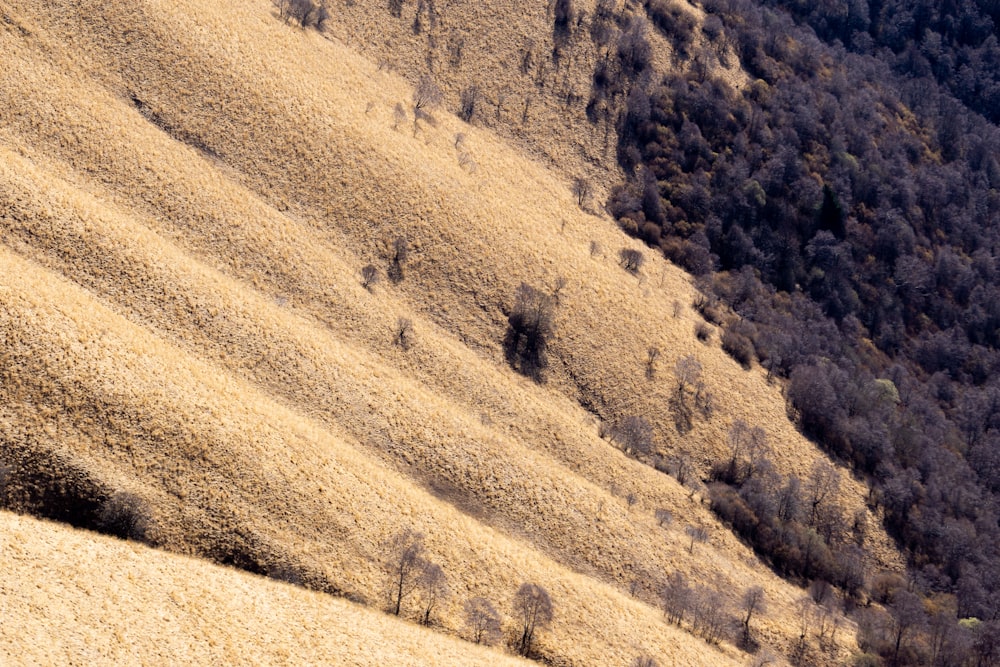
(404, 333)
(467, 101)
(710, 615)
(427, 95)
(687, 373)
(753, 603)
(530, 325)
(433, 587)
(582, 190)
(675, 598)
(398, 115)
(400, 251)
(595, 248)
(634, 434)
(644, 661)
(533, 610)
(404, 564)
(697, 534)
(822, 486)
(631, 259)
(663, 517)
(482, 620)
(369, 276)
(907, 617)
(652, 354)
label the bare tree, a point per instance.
(398, 115)
(482, 620)
(400, 253)
(697, 534)
(907, 617)
(369, 276)
(530, 325)
(582, 190)
(652, 354)
(675, 598)
(467, 101)
(663, 517)
(822, 486)
(644, 661)
(753, 603)
(427, 95)
(433, 587)
(404, 564)
(631, 259)
(687, 373)
(634, 434)
(404, 333)
(710, 615)
(533, 610)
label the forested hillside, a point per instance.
(845, 204)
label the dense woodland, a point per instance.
(844, 204)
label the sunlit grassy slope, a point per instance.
(188, 191)
(74, 598)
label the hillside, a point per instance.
(188, 195)
(71, 596)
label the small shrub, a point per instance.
(703, 332)
(664, 517)
(125, 515)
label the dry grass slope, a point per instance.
(75, 598)
(187, 194)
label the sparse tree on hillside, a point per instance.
(530, 327)
(404, 564)
(634, 434)
(400, 253)
(404, 333)
(398, 115)
(482, 620)
(652, 354)
(710, 614)
(631, 259)
(433, 588)
(533, 610)
(664, 517)
(687, 373)
(676, 598)
(753, 603)
(644, 661)
(582, 190)
(427, 95)
(369, 276)
(697, 534)
(468, 99)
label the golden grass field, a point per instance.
(182, 317)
